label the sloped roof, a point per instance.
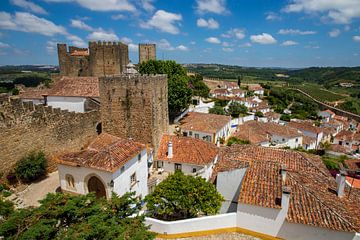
(305, 126)
(187, 150)
(33, 93)
(107, 153)
(204, 122)
(75, 87)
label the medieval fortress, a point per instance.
(131, 105)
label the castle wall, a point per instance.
(147, 52)
(135, 106)
(25, 127)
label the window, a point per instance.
(283, 139)
(190, 133)
(122, 169)
(70, 181)
(194, 170)
(133, 179)
(160, 164)
(177, 166)
(196, 135)
(139, 157)
(185, 134)
(296, 140)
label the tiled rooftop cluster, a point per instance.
(75, 87)
(203, 122)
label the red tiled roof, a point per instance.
(272, 115)
(80, 53)
(203, 122)
(252, 132)
(106, 153)
(75, 87)
(305, 126)
(353, 164)
(329, 111)
(308, 140)
(255, 87)
(187, 150)
(338, 148)
(220, 91)
(33, 93)
(345, 135)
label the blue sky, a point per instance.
(261, 33)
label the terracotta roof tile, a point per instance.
(75, 87)
(106, 152)
(187, 150)
(33, 93)
(80, 53)
(203, 122)
(305, 126)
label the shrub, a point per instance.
(31, 167)
(235, 140)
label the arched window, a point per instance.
(70, 182)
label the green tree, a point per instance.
(217, 110)
(31, 167)
(179, 91)
(198, 86)
(181, 197)
(236, 108)
(235, 140)
(78, 217)
(259, 114)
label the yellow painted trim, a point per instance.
(218, 231)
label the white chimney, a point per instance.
(285, 197)
(341, 181)
(283, 173)
(218, 142)
(170, 150)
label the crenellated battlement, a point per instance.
(105, 43)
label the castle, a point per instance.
(100, 59)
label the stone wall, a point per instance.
(147, 52)
(25, 127)
(135, 106)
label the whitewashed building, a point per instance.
(189, 155)
(78, 94)
(326, 115)
(208, 127)
(308, 129)
(109, 164)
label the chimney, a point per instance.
(170, 150)
(283, 173)
(341, 181)
(218, 142)
(285, 197)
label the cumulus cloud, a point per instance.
(29, 6)
(102, 36)
(164, 22)
(234, 32)
(182, 48)
(118, 17)
(339, 11)
(147, 5)
(289, 43)
(164, 44)
(81, 25)
(51, 47)
(295, 32)
(334, 33)
(4, 45)
(271, 16)
(356, 38)
(211, 6)
(76, 41)
(210, 23)
(263, 38)
(103, 5)
(213, 40)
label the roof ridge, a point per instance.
(308, 190)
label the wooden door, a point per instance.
(95, 185)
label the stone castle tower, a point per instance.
(147, 52)
(135, 106)
(101, 58)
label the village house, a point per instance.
(219, 92)
(285, 194)
(230, 85)
(269, 134)
(336, 125)
(348, 139)
(238, 93)
(209, 127)
(257, 89)
(108, 164)
(192, 156)
(271, 117)
(34, 95)
(326, 115)
(78, 94)
(308, 129)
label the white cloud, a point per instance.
(264, 38)
(76, 41)
(118, 17)
(356, 38)
(4, 45)
(51, 47)
(182, 48)
(211, 6)
(228, 49)
(210, 23)
(295, 32)
(147, 5)
(339, 11)
(271, 16)
(213, 40)
(165, 45)
(126, 40)
(133, 47)
(26, 22)
(103, 5)
(102, 36)
(81, 25)
(334, 33)
(234, 32)
(29, 6)
(289, 43)
(163, 21)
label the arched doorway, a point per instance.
(95, 185)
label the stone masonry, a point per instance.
(147, 52)
(25, 127)
(135, 106)
(101, 58)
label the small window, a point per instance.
(133, 179)
(160, 164)
(283, 139)
(70, 181)
(196, 135)
(122, 169)
(139, 157)
(296, 140)
(194, 170)
(190, 133)
(177, 166)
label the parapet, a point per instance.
(104, 43)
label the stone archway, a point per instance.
(95, 185)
